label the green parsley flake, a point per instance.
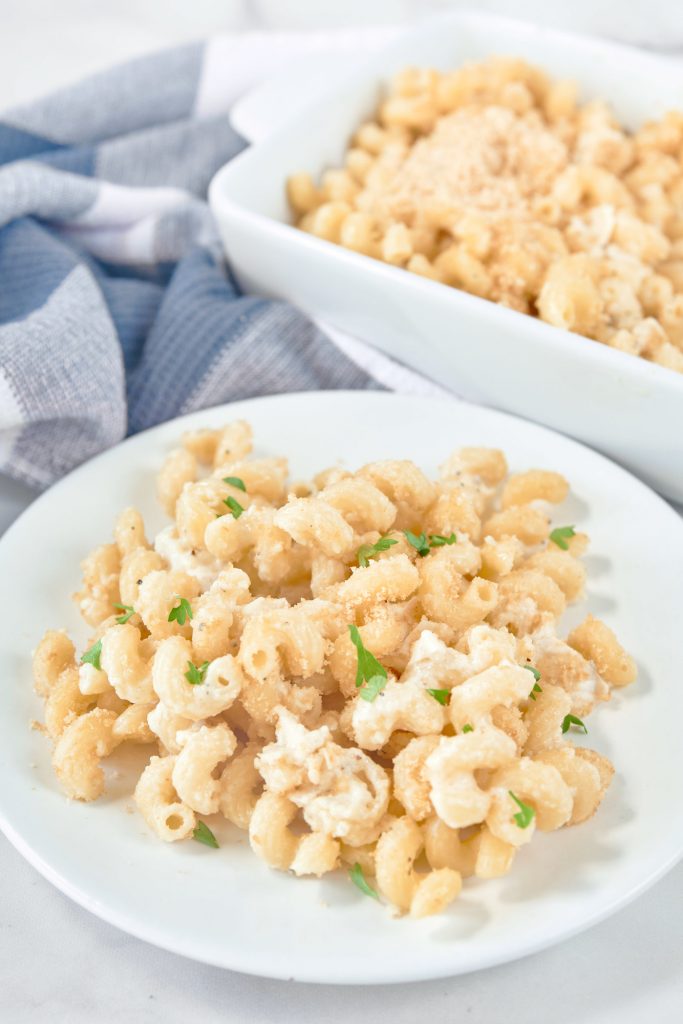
(468, 728)
(537, 675)
(181, 612)
(374, 686)
(569, 720)
(234, 506)
(358, 878)
(368, 665)
(423, 543)
(235, 481)
(525, 815)
(203, 834)
(560, 535)
(437, 540)
(440, 695)
(420, 543)
(127, 610)
(195, 673)
(367, 551)
(92, 655)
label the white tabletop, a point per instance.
(58, 962)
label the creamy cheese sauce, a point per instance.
(90, 680)
(200, 564)
(341, 791)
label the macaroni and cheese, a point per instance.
(362, 672)
(495, 180)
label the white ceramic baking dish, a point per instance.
(628, 408)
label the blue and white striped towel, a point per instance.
(116, 310)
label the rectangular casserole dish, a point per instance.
(626, 407)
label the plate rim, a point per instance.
(129, 926)
(333, 974)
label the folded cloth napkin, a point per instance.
(116, 308)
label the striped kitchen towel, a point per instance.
(116, 309)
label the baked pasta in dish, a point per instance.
(494, 179)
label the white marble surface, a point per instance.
(59, 963)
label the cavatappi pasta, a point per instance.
(495, 180)
(363, 672)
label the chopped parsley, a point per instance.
(440, 695)
(437, 540)
(569, 720)
(468, 728)
(368, 670)
(419, 542)
(180, 612)
(367, 551)
(561, 534)
(235, 481)
(423, 542)
(127, 610)
(372, 688)
(92, 655)
(525, 815)
(203, 834)
(358, 878)
(234, 506)
(537, 675)
(195, 673)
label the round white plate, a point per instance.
(224, 906)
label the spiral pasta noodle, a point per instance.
(362, 672)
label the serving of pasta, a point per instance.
(362, 672)
(494, 179)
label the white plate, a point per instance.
(626, 407)
(225, 907)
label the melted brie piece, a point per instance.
(200, 564)
(340, 790)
